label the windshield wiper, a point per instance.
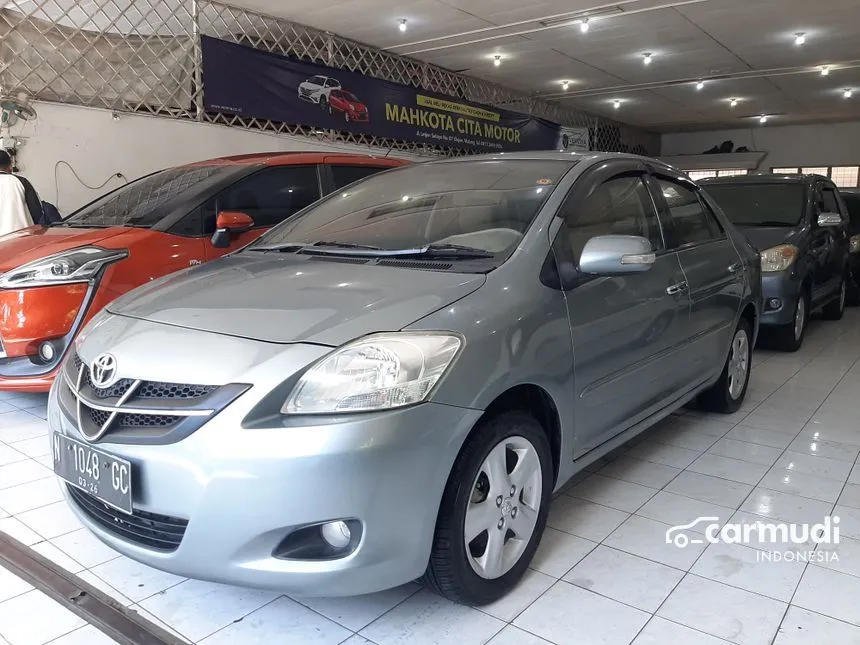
(434, 251)
(449, 251)
(315, 247)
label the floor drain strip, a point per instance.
(97, 608)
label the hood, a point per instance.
(37, 242)
(288, 298)
(764, 237)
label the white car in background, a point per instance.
(317, 89)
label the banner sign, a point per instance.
(573, 139)
(252, 83)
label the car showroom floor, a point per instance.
(603, 574)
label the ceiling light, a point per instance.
(497, 60)
(616, 103)
(700, 85)
(583, 25)
(402, 25)
(825, 70)
(762, 118)
(799, 38)
(565, 85)
(848, 93)
(568, 19)
(733, 102)
(646, 58)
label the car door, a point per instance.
(625, 329)
(713, 271)
(269, 197)
(831, 242)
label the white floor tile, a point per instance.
(20, 427)
(559, 552)
(685, 439)
(647, 539)
(283, 622)
(21, 472)
(511, 635)
(94, 581)
(829, 449)
(52, 520)
(199, 609)
(36, 447)
(358, 612)
(532, 585)
(850, 496)
(802, 627)
(615, 493)
(784, 424)
(786, 507)
(725, 612)
(569, 614)
(663, 453)
(134, 580)
(760, 437)
(829, 593)
(11, 585)
(26, 497)
(660, 631)
(845, 556)
(849, 520)
(714, 465)
(803, 484)
(706, 488)
(743, 567)
(585, 519)
(814, 465)
(84, 547)
(20, 531)
(673, 509)
(645, 473)
(88, 635)
(626, 578)
(35, 619)
(56, 556)
(745, 451)
(428, 618)
(9, 455)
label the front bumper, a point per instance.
(784, 286)
(243, 490)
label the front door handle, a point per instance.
(675, 289)
(737, 266)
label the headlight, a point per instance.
(377, 372)
(778, 258)
(76, 265)
(854, 244)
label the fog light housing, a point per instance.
(774, 303)
(337, 534)
(324, 541)
(47, 351)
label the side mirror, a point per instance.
(616, 255)
(826, 220)
(230, 223)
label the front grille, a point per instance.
(152, 530)
(100, 417)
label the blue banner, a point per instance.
(252, 83)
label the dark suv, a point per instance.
(799, 224)
(851, 197)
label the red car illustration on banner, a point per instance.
(344, 101)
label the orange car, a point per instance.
(54, 279)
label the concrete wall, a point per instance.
(98, 147)
(799, 145)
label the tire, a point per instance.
(786, 337)
(324, 105)
(454, 566)
(727, 394)
(835, 309)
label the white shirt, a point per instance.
(14, 214)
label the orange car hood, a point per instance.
(36, 242)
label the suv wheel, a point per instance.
(493, 511)
(789, 338)
(834, 309)
(727, 394)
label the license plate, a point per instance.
(105, 477)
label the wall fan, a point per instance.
(16, 108)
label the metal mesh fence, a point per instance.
(144, 56)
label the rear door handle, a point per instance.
(675, 289)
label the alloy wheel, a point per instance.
(799, 318)
(503, 507)
(738, 363)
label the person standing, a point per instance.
(20, 205)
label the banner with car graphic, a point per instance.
(252, 83)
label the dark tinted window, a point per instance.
(691, 221)
(272, 195)
(146, 201)
(345, 175)
(332, 83)
(778, 204)
(829, 203)
(316, 80)
(621, 206)
(852, 201)
(483, 204)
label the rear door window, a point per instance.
(691, 221)
(345, 175)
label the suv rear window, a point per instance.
(763, 204)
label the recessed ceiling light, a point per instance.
(565, 85)
(646, 58)
(402, 25)
(848, 93)
(497, 60)
(799, 38)
(733, 102)
(583, 25)
(762, 118)
(616, 103)
(825, 70)
(700, 85)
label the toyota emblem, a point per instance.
(103, 371)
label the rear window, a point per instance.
(144, 202)
(780, 204)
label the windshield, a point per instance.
(760, 204)
(485, 205)
(145, 201)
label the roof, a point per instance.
(763, 178)
(300, 157)
(549, 155)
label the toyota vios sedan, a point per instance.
(54, 279)
(391, 385)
